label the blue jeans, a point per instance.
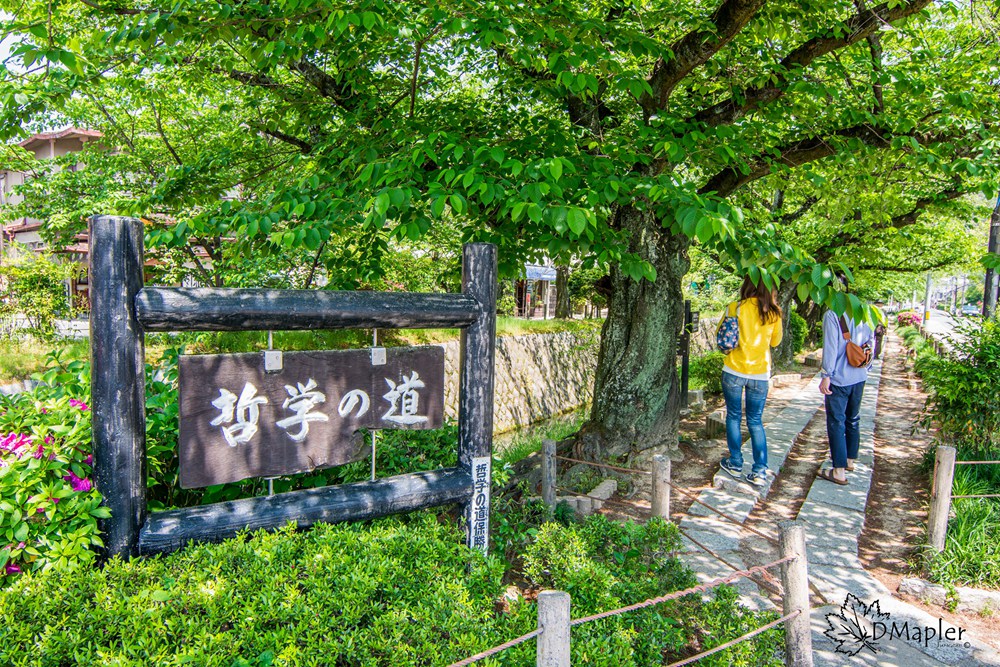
(842, 419)
(756, 395)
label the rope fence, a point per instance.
(496, 649)
(701, 588)
(941, 497)
(738, 640)
(554, 622)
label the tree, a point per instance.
(616, 131)
(34, 287)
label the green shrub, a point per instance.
(48, 506)
(798, 330)
(964, 401)
(706, 372)
(35, 288)
(397, 591)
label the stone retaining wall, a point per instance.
(537, 376)
(703, 340)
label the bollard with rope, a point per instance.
(554, 624)
(661, 487)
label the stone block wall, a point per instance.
(537, 376)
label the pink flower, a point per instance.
(12, 442)
(10, 568)
(89, 460)
(78, 483)
(78, 404)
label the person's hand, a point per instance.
(824, 387)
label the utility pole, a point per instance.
(990, 291)
(927, 299)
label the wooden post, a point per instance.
(553, 624)
(944, 476)
(549, 474)
(118, 388)
(661, 487)
(475, 401)
(795, 581)
(686, 355)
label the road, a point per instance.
(943, 326)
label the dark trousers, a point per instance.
(842, 422)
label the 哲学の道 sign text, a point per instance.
(238, 420)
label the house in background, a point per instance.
(26, 232)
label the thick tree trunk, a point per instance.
(636, 394)
(784, 353)
(562, 292)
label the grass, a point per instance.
(19, 358)
(516, 445)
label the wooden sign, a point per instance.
(238, 419)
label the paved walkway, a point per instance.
(833, 517)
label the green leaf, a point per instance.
(577, 220)
(437, 206)
(556, 169)
(382, 203)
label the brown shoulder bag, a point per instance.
(857, 355)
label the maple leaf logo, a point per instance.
(851, 628)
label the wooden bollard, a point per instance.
(944, 476)
(554, 629)
(549, 474)
(795, 581)
(661, 487)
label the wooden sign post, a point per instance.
(123, 310)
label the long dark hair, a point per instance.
(767, 299)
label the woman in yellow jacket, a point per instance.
(747, 369)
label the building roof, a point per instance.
(69, 132)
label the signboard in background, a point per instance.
(239, 420)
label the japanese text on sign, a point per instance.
(239, 421)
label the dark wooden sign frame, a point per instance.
(122, 310)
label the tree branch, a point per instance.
(163, 135)
(695, 48)
(800, 211)
(304, 146)
(906, 219)
(803, 151)
(856, 28)
(328, 86)
(114, 10)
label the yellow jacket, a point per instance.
(752, 359)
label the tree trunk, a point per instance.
(784, 353)
(562, 293)
(812, 314)
(636, 393)
(993, 246)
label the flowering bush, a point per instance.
(908, 318)
(48, 505)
